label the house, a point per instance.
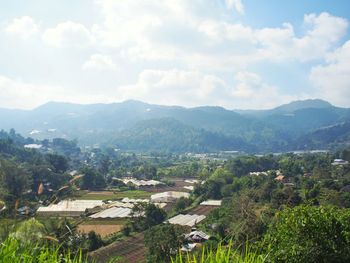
(197, 237)
(258, 173)
(339, 162)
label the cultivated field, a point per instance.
(108, 195)
(102, 230)
(130, 250)
(202, 210)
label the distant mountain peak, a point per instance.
(303, 104)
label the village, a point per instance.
(106, 213)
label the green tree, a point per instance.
(146, 215)
(163, 242)
(310, 234)
(14, 180)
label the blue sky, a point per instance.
(233, 53)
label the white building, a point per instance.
(69, 207)
(168, 197)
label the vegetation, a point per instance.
(310, 234)
(221, 255)
(287, 207)
(14, 251)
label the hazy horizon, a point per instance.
(168, 105)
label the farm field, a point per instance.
(104, 221)
(102, 230)
(130, 250)
(202, 210)
(108, 195)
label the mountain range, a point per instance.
(135, 125)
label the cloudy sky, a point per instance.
(233, 53)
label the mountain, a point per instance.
(167, 134)
(137, 125)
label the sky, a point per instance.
(239, 54)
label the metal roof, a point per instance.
(71, 206)
(186, 220)
(212, 202)
(113, 212)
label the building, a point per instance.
(139, 183)
(197, 237)
(186, 220)
(113, 212)
(70, 208)
(168, 197)
(212, 202)
(339, 162)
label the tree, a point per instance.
(163, 242)
(146, 215)
(95, 241)
(58, 162)
(182, 203)
(310, 234)
(92, 179)
(14, 180)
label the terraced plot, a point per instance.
(202, 210)
(130, 250)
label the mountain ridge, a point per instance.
(277, 129)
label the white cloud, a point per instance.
(324, 31)
(209, 42)
(22, 95)
(194, 88)
(68, 34)
(236, 4)
(23, 27)
(175, 87)
(333, 78)
(99, 62)
(251, 92)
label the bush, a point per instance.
(310, 234)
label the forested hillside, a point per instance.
(141, 126)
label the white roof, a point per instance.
(170, 194)
(192, 181)
(212, 202)
(33, 146)
(132, 204)
(71, 206)
(120, 204)
(189, 187)
(197, 234)
(131, 200)
(139, 182)
(114, 212)
(186, 220)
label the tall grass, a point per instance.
(221, 255)
(13, 251)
